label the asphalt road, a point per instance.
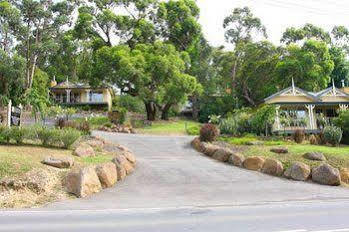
(176, 189)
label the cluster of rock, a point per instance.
(118, 129)
(323, 174)
(84, 181)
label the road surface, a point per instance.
(174, 188)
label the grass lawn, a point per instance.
(336, 156)
(17, 160)
(172, 127)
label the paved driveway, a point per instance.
(170, 173)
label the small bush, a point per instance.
(5, 136)
(333, 135)
(299, 136)
(313, 140)
(214, 119)
(49, 137)
(193, 130)
(82, 126)
(229, 126)
(17, 134)
(208, 133)
(69, 136)
(118, 116)
(108, 124)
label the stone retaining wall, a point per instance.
(323, 174)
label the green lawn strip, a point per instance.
(17, 160)
(336, 156)
(169, 127)
(99, 158)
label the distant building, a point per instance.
(79, 94)
(300, 109)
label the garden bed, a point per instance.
(258, 156)
(25, 181)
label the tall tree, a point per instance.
(40, 24)
(154, 73)
(310, 66)
(241, 27)
(9, 22)
(179, 23)
(341, 66)
(12, 79)
(308, 31)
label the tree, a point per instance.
(38, 96)
(310, 66)
(307, 32)
(256, 76)
(105, 23)
(39, 25)
(12, 69)
(240, 28)
(9, 22)
(153, 72)
(340, 36)
(341, 66)
(179, 23)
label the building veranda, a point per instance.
(300, 109)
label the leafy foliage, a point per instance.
(333, 135)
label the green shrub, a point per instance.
(49, 136)
(5, 136)
(332, 135)
(193, 130)
(98, 121)
(69, 136)
(214, 119)
(229, 126)
(263, 119)
(208, 133)
(17, 134)
(108, 124)
(299, 136)
(118, 116)
(342, 121)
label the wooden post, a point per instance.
(9, 108)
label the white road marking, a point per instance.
(302, 230)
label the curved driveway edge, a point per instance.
(170, 173)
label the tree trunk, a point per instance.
(165, 111)
(196, 107)
(151, 110)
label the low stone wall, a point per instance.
(85, 181)
(323, 174)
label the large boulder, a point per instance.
(298, 171)
(122, 160)
(236, 159)
(84, 150)
(96, 144)
(326, 174)
(279, 150)
(59, 163)
(130, 157)
(197, 145)
(120, 169)
(83, 182)
(254, 163)
(273, 167)
(107, 174)
(209, 149)
(315, 156)
(222, 154)
(344, 175)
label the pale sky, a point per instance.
(276, 15)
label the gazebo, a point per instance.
(300, 109)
